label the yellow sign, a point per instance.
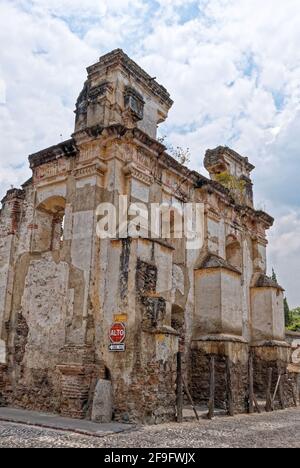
(121, 318)
(160, 338)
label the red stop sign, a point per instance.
(117, 333)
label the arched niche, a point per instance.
(53, 205)
(49, 221)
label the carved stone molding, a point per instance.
(143, 158)
(130, 170)
(51, 170)
(118, 58)
(98, 169)
(213, 215)
(66, 149)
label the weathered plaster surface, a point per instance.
(62, 288)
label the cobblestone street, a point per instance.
(278, 429)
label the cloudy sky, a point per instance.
(231, 66)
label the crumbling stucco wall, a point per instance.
(231, 373)
(61, 290)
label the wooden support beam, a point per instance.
(256, 404)
(190, 398)
(230, 402)
(211, 404)
(179, 389)
(253, 403)
(294, 393)
(269, 406)
(276, 390)
(251, 385)
(281, 391)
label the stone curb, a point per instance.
(74, 431)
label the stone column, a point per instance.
(9, 224)
(231, 371)
(276, 356)
(270, 350)
(218, 332)
(78, 368)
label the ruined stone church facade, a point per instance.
(61, 293)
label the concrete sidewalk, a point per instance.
(52, 421)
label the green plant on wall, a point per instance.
(234, 184)
(182, 155)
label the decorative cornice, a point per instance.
(213, 261)
(66, 149)
(97, 131)
(270, 344)
(119, 58)
(28, 183)
(265, 218)
(130, 170)
(13, 194)
(243, 210)
(216, 156)
(69, 149)
(151, 143)
(87, 171)
(212, 186)
(213, 215)
(218, 338)
(263, 281)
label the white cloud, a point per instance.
(79, 8)
(284, 251)
(232, 67)
(2, 92)
(43, 66)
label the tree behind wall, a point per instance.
(294, 324)
(287, 313)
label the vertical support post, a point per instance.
(251, 385)
(179, 389)
(230, 402)
(281, 390)
(256, 404)
(269, 407)
(295, 392)
(276, 390)
(211, 404)
(190, 397)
